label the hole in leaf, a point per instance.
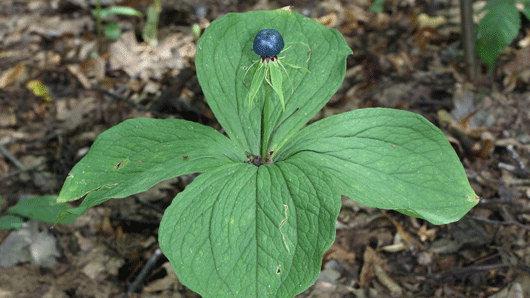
(278, 270)
(185, 157)
(121, 164)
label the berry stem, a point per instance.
(265, 129)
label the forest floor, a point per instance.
(409, 58)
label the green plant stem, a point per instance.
(151, 25)
(265, 116)
(99, 24)
(468, 37)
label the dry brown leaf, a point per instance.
(426, 233)
(7, 117)
(370, 259)
(519, 288)
(56, 26)
(100, 263)
(13, 75)
(406, 236)
(329, 20)
(88, 72)
(401, 62)
(387, 281)
(395, 247)
(168, 282)
(140, 60)
(341, 254)
(425, 21)
(518, 69)
(76, 71)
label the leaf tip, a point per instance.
(65, 196)
(473, 198)
(62, 198)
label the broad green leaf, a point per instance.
(225, 53)
(10, 222)
(497, 29)
(246, 231)
(43, 208)
(136, 154)
(388, 159)
(105, 13)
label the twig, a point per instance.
(468, 37)
(517, 158)
(498, 201)
(406, 236)
(11, 158)
(503, 223)
(469, 270)
(136, 284)
(387, 281)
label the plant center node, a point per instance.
(255, 160)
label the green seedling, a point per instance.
(105, 17)
(377, 6)
(258, 218)
(149, 33)
(499, 27)
(38, 208)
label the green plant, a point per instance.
(104, 18)
(39, 208)
(149, 33)
(499, 27)
(377, 6)
(262, 212)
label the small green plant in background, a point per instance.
(104, 19)
(377, 6)
(259, 217)
(38, 208)
(496, 29)
(149, 33)
(499, 27)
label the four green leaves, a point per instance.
(244, 228)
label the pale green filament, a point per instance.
(270, 71)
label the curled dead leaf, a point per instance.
(140, 60)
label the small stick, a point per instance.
(387, 281)
(135, 285)
(503, 223)
(11, 158)
(468, 37)
(470, 269)
(517, 158)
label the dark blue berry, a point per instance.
(268, 43)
